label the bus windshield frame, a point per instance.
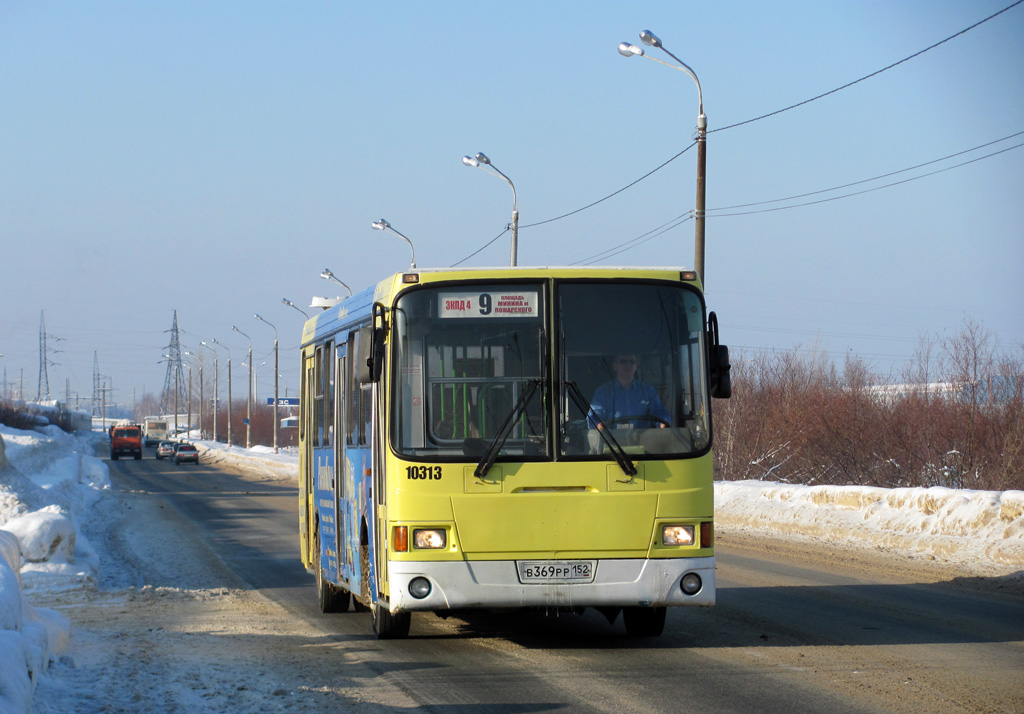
(483, 371)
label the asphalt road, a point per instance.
(796, 628)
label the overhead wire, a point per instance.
(676, 222)
(868, 76)
(867, 190)
(455, 265)
(771, 114)
(867, 180)
(616, 193)
(634, 242)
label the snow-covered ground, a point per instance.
(49, 480)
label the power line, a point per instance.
(875, 178)
(455, 265)
(676, 222)
(616, 193)
(869, 76)
(765, 116)
(679, 220)
(634, 242)
(779, 111)
(869, 190)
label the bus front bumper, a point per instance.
(497, 584)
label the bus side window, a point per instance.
(304, 401)
(318, 396)
(352, 432)
(365, 402)
(328, 394)
(339, 414)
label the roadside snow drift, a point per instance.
(982, 531)
(47, 480)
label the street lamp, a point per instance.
(382, 225)
(328, 275)
(286, 301)
(248, 414)
(216, 389)
(651, 40)
(194, 357)
(275, 379)
(219, 344)
(482, 162)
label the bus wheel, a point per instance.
(330, 597)
(388, 625)
(644, 621)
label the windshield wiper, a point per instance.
(625, 463)
(506, 428)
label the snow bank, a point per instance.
(259, 461)
(45, 535)
(47, 480)
(982, 531)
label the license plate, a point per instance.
(556, 571)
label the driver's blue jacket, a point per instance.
(613, 401)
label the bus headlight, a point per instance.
(429, 538)
(419, 587)
(677, 535)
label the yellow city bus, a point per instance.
(511, 438)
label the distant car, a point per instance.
(186, 452)
(165, 449)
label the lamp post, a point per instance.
(275, 379)
(382, 225)
(328, 275)
(288, 302)
(194, 356)
(219, 344)
(216, 388)
(248, 410)
(651, 40)
(482, 162)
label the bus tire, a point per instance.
(388, 625)
(644, 621)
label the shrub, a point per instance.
(956, 419)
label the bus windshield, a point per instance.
(480, 377)
(632, 351)
(468, 358)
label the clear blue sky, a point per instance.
(214, 157)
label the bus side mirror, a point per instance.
(719, 380)
(370, 357)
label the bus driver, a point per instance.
(626, 400)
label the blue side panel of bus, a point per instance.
(342, 490)
(356, 508)
(324, 485)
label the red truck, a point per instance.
(126, 440)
